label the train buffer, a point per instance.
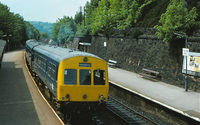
(149, 73)
(112, 63)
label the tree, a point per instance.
(175, 19)
(101, 21)
(78, 17)
(116, 14)
(44, 35)
(13, 26)
(64, 30)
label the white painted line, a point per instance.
(156, 101)
(17, 102)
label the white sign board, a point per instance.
(185, 51)
(104, 44)
(193, 64)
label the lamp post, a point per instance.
(186, 77)
(7, 39)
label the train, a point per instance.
(77, 81)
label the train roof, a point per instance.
(32, 43)
(56, 53)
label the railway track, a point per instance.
(126, 113)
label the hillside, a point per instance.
(43, 26)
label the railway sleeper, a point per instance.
(124, 114)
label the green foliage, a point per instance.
(81, 31)
(78, 18)
(44, 27)
(151, 13)
(64, 30)
(44, 35)
(32, 32)
(104, 16)
(113, 14)
(175, 19)
(1, 33)
(14, 27)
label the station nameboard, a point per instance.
(185, 51)
(193, 64)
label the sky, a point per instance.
(44, 10)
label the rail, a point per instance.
(126, 113)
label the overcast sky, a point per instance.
(44, 10)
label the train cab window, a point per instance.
(70, 76)
(85, 77)
(99, 77)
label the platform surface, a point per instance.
(171, 96)
(20, 101)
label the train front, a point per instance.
(82, 82)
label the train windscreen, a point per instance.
(85, 77)
(99, 77)
(70, 76)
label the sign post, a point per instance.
(185, 53)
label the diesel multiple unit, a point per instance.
(74, 78)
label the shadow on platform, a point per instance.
(16, 104)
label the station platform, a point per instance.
(20, 100)
(173, 97)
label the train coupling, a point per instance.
(101, 99)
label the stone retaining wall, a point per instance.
(150, 53)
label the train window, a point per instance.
(45, 65)
(39, 62)
(99, 77)
(85, 77)
(36, 58)
(70, 76)
(49, 69)
(53, 71)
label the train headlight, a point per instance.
(84, 96)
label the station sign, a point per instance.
(185, 51)
(104, 44)
(193, 64)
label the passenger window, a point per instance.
(99, 77)
(70, 76)
(49, 69)
(53, 69)
(85, 77)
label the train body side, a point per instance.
(46, 68)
